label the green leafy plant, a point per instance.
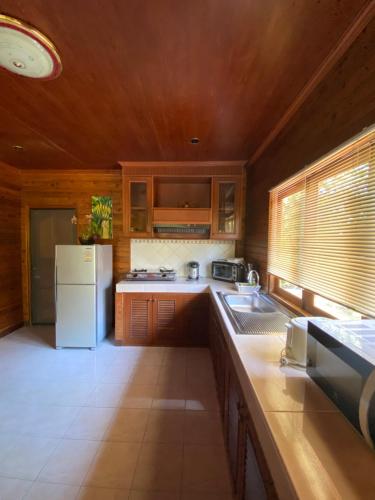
(90, 231)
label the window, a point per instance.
(322, 232)
(287, 216)
(334, 309)
(288, 287)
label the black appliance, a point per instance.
(231, 270)
(341, 360)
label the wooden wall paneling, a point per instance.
(340, 107)
(359, 24)
(10, 249)
(67, 188)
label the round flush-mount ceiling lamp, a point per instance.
(26, 51)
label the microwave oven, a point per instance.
(231, 270)
(341, 360)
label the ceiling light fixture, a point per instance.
(17, 147)
(195, 140)
(24, 50)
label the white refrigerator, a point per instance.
(83, 294)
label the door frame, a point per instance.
(25, 247)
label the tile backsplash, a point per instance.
(152, 254)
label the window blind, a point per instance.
(322, 226)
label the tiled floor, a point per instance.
(116, 423)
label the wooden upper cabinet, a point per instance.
(137, 200)
(226, 207)
(158, 197)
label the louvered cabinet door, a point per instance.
(138, 318)
(166, 319)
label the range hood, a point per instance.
(201, 230)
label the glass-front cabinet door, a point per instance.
(226, 208)
(138, 206)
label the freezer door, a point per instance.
(75, 264)
(76, 316)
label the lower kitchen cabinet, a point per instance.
(233, 427)
(195, 316)
(134, 318)
(219, 359)
(163, 319)
(251, 478)
(255, 480)
(167, 324)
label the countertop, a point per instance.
(180, 285)
(312, 450)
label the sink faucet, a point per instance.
(252, 276)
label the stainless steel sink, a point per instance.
(252, 303)
(255, 314)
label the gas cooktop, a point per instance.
(162, 274)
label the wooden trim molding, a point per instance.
(347, 39)
(194, 164)
(11, 329)
(177, 168)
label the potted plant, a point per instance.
(90, 233)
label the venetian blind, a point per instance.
(322, 226)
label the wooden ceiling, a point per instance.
(142, 77)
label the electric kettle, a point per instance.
(193, 270)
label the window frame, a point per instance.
(304, 305)
(276, 289)
(299, 186)
(347, 159)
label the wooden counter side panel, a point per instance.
(119, 318)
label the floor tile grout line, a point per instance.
(136, 466)
(28, 490)
(37, 475)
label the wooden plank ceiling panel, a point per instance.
(141, 78)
